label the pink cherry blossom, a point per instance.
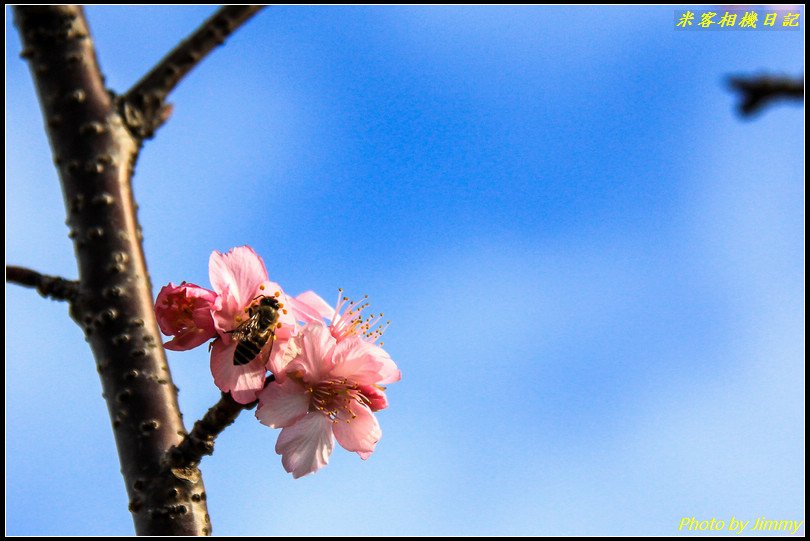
(184, 312)
(328, 388)
(239, 279)
(351, 322)
(194, 315)
(346, 320)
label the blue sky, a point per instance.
(593, 267)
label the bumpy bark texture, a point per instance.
(144, 107)
(200, 441)
(52, 287)
(95, 154)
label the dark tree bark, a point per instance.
(200, 441)
(53, 287)
(757, 92)
(144, 107)
(95, 148)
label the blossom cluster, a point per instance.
(328, 369)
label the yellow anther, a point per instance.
(261, 287)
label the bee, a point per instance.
(252, 335)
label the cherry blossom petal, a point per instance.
(305, 446)
(387, 369)
(242, 381)
(282, 404)
(356, 360)
(376, 396)
(184, 312)
(314, 360)
(389, 373)
(240, 271)
(308, 306)
(275, 355)
(189, 340)
(281, 356)
(224, 312)
(286, 314)
(203, 318)
(360, 433)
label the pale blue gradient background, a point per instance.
(594, 268)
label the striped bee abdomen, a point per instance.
(247, 349)
(253, 334)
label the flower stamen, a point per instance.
(334, 399)
(351, 321)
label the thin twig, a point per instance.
(144, 106)
(200, 441)
(54, 287)
(759, 91)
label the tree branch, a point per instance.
(95, 155)
(53, 287)
(200, 441)
(144, 106)
(756, 92)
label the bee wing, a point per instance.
(267, 348)
(245, 329)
